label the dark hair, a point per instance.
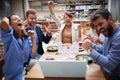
(9, 17)
(101, 12)
(30, 11)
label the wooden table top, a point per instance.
(93, 73)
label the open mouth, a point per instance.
(20, 24)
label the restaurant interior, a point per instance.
(61, 61)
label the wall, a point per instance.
(5, 8)
(114, 8)
(43, 14)
(18, 7)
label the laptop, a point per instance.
(63, 68)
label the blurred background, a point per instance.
(80, 8)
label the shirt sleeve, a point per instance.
(110, 60)
(6, 35)
(49, 34)
(98, 48)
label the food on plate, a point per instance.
(52, 48)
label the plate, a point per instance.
(52, 49)
(86, 57)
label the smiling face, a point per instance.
(16, 22)
(32, 19)
(68, 18)
(104, 26)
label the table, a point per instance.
(93, 73)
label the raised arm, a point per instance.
(50, 6)
(4, 24)
(32, 35)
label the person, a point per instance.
(18, 46)
(31, 19)
(107, 56)
(95, 35)
(69, 32)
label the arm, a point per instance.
(4, 24)
(89, 45)
(98, 41)
(98, 48)
(6, 31)
(45, 38)
(50, 6)
(111, 58)
(32, 35)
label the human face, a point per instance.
(16, 22)
(104, 26)
(67, 20)
(32, 19)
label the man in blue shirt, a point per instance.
(17, 46)
(107, 55)
(31, 20)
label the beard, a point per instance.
(109, 30)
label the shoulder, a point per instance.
(37, 27)
(117, 34)
(74, 25)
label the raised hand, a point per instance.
(50, 3)
(4, 24)
(48, 28)
(31, 33)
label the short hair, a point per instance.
(101, 12)
(9, 17)
(30, 11)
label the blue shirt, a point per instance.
(40, 37)
(37, 43)
(16, 53)
(108, 54)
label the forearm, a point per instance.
(34, 46)
(98, 48)
(51, 10)
(50, 6)
(106, 62)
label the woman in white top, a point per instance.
(69, 31)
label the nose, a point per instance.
(34, 20)
(19, 19)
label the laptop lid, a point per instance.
(63, 68)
